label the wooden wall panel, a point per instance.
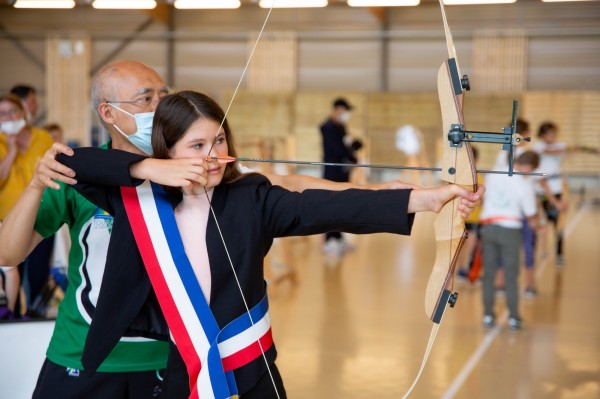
(332, 64)
(274, 64)
(499, 62)
(68, 92)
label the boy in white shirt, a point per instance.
(550, 188)
(507, 201)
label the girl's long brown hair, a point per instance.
(174, 116)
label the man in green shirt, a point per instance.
(121, 93)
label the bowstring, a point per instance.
(264, 356)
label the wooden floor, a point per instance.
(357, 329)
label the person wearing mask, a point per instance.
(125, 95)
(21, 145)
(338, 147)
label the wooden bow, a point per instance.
(458, 167)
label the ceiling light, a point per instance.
(213, 4)
(383, 3)
(292, 3)
(44, 4)
(472, 2)
(124, 4)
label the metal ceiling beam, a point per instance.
(23, 49)
(124, 43)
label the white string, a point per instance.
(210, 203)
(242, 293)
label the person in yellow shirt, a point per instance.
(21, 145)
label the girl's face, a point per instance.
(196, 143)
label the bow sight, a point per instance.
(508, 138)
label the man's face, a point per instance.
(136, 89)
(341, 114)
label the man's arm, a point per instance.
(17, 234)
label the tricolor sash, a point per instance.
(210, 354)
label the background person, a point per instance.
(338, 147)
(21, 145)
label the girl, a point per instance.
(226, 223)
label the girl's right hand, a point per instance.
(183, 172)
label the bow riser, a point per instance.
(458, 167)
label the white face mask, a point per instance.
(12, 127)
(345, 117)
(142, 138)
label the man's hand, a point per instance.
(49, 170)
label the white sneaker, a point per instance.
(333, 247)
(489, 321)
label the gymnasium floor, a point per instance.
(357, 329)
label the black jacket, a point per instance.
(251, 213)
(335, 150)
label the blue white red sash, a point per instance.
(210, 355)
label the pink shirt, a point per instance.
(192, 218)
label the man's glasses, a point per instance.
(10, 112)
(141, 102)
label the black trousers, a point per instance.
(58, 382)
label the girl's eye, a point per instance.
(220, 140)
(197, 146)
